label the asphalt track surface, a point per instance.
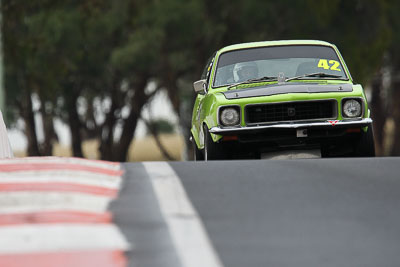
(302, 212)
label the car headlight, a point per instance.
(352, 108)
(229, 116)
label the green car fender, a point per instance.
(359, 90)
(207, 109)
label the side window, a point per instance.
(207, 69)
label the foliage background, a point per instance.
(95, 64)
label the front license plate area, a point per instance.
(302, 133)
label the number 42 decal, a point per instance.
(332, 65)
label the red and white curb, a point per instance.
(54, 212)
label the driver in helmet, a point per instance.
(244, 71)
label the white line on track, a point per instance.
(188, 233)
(60, 237)
(15, 202)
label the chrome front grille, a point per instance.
(290, 111)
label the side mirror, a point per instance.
(200, 87)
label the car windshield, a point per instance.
(291, 60)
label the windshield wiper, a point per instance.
(317, 74)
(262, 79)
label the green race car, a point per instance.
(256, 98)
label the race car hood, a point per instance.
(286, 88)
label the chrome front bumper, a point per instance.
(294, 125)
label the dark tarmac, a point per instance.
(300, 213)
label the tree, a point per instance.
(74, 51)
(393, 55)
(95, 63)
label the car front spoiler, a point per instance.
(321, 124)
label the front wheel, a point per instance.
(365, 147)
(197, 153)
(212, 150)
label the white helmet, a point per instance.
(244, 71)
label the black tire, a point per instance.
(365, 147)
(212, 150)
(197, 153)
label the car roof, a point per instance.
(274, 43)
